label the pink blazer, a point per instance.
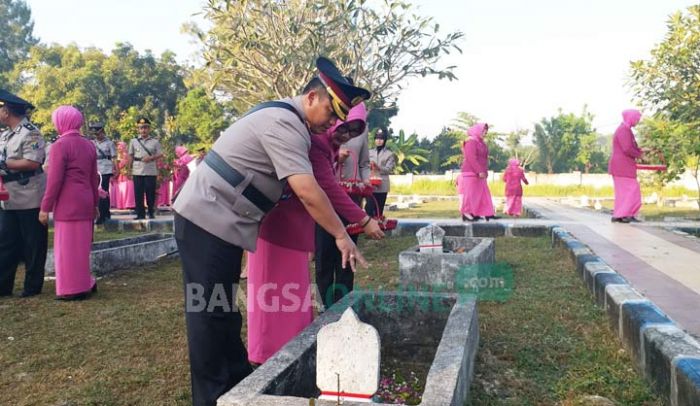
(72, 179)
(289, 224)
(476, 156)
(624, 152)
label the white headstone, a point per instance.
(597, 205)
(347, 360)
(584, 201)
(430, 239)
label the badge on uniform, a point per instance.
(35, 145)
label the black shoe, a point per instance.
(633, 220)
(467, 217)
(72, 298)
(151, 216)
(139, 218)
(492, 218)
(28, 294)
(99, 222)
(94, 288)
(620, 220)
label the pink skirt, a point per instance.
(477, 197)
(628, 197)
(279, 298)
(71, 250)
(514, 206)
(164, 194)
(125, 194)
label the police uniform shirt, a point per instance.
(266, 147)
(24, 142)
(106, 152)
(357, 164)
(138, 152)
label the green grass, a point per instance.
(448, 209)
(126, 346)
(447, 188)
(549, 344)
(102, 235)
(438, 209)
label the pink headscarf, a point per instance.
(358, 112)
(67, 120)
(513, 162)
(477, 130)
(631, 117)
(183, 157)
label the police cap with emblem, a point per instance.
(344, 95)
(143, 121)
(14, 103)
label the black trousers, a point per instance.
(104, 203)
(211, 269)
(371, 208)
(22, 238)
(333, 281)
(147, 185)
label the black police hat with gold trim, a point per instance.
(96, 126)
(143, 121)
(344, 95)
(17, 104)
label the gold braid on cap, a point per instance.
(340, 108)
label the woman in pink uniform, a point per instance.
(125, 185)
(279, 297)
(623, 168)
(71, 194)
(513, 177)
(180, 170)
(476, 200)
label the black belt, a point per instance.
(13, 177)
(234, 178)
(138, 159)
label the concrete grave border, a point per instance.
(448, 381)
(663, 353)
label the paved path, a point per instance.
(660, 264)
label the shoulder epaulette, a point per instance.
(29, 126)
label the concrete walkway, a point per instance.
(662, 265)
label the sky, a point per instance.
(522, 60)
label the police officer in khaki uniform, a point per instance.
(219, 209)
(144, 151)
(22, 236)
(106, 165)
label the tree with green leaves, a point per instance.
(200, 118)
(16, 37)
(593, 154)
(669, 85)
(408, 152)
(558, 140)
(259, 50)
(111, 88)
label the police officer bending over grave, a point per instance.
(219, 210)
(22, 236)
